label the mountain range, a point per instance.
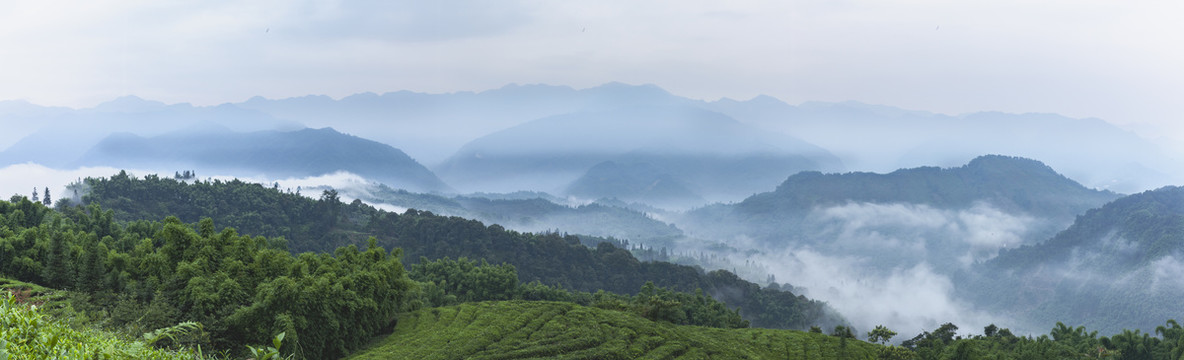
(714, 156)
(267, 154)
(626, 125)
(1012, 185)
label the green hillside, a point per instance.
(27, 332)
(326, 224)
(1116, 267)
(812, 208)
(1011, 183)
(534, 330)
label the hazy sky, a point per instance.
(1119, 61)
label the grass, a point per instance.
(552, 330)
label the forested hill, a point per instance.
(325, 224)
(276, 154)
(534, 212)
(1150, 226)
(1010, 183)
(1118, 266)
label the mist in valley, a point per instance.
(909, 164)
(903, 264)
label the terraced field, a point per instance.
(552, 330)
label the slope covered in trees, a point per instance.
(1117, 266)
(228, 291)
(243, 289)
(1009, 183)
(552, 259)
(533, 212)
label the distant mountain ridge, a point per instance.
(883, 138)
(864, 137)
(70, 133)
(431, 127)
(276, 154)
(960, 215)
(692, 145)
(532, 212)
(634, 182)
(1013, 183)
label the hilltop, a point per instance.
(273, 154)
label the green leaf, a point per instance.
(277, 340)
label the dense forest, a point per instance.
(1129, 246)
(534, 212)
(190, 289)
(1012, 184)
(147, 275)
(553, 259)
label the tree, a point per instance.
(46, 200)
(90, 266)
(880, 334)
(895, 353)
(844, 332)
(1173, 337)
(946, 332)
(57, 261)
(965, 350)
(35, 198)
(990, 330)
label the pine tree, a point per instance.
(47, 201)
(91, 267)
(35, 198)
(57, 265)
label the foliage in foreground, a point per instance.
(527, 330)
(27, 333)
(243, 290)
(1063, 342)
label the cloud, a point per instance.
(891, 264)
(414, 21)
(908, 299)
(915, 54)
(971, 235)
(1167, 272)
(21, 179)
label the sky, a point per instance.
(1118, 61)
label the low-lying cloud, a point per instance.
(908, 299)
(893, 264)
(21, 179)
(970, 235)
